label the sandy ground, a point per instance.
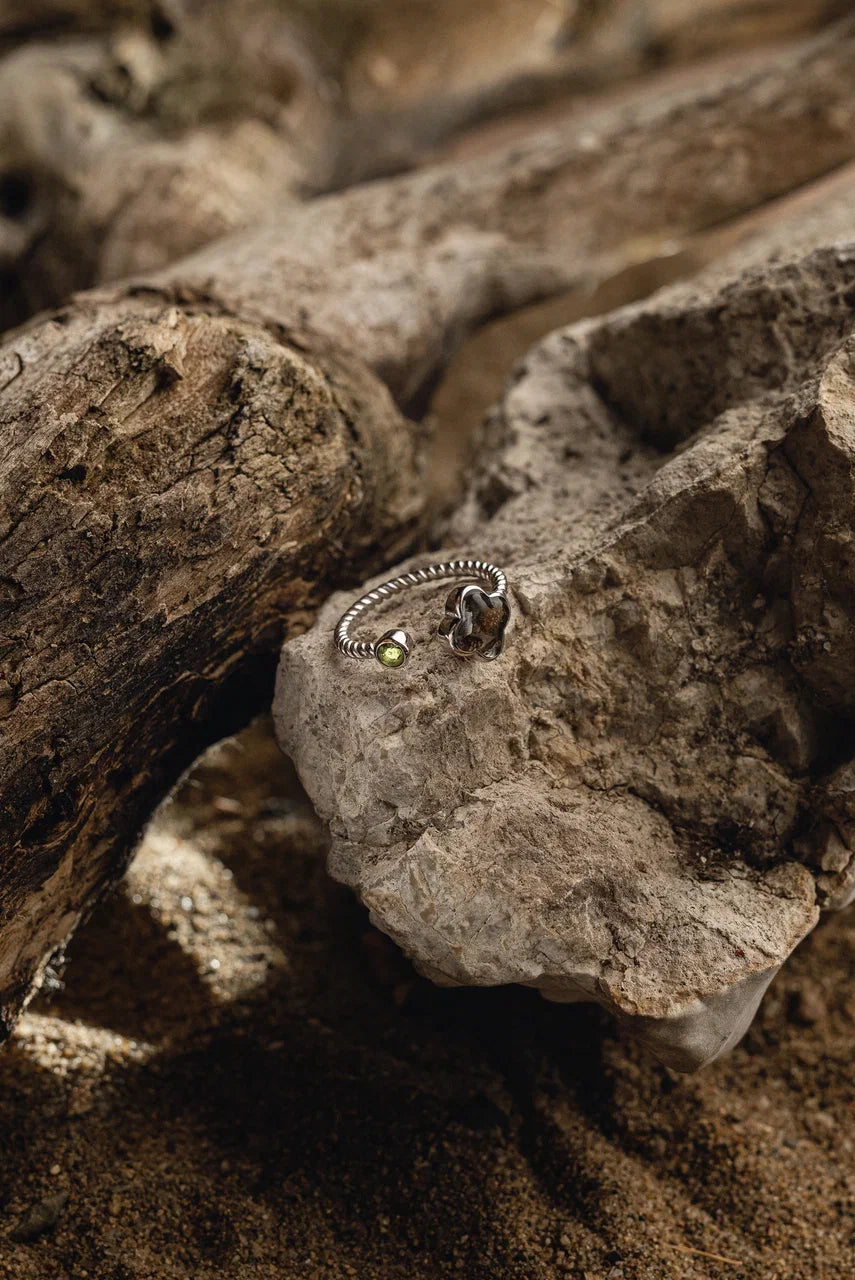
(240, 1078)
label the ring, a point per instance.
(474, 623)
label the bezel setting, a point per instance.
(393, 649)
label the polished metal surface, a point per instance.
(455, 622)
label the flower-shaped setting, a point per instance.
(475, 621)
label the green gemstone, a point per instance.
(390, 654)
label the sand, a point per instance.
(241, 1078)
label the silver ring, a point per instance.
(474, 623)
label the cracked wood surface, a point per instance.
(177, 487)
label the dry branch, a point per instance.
(397, 266)
(177, 487)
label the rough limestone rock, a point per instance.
(648, 798)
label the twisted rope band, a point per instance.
(479, 570)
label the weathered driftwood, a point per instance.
(140, 136)
(148, 130)
(189, 462)
(646, 800)
(145, 130)
(176, 487)
(395, 267)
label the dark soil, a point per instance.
(242, 1079)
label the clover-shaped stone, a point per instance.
(475, 621)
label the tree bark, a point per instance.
(178, 486)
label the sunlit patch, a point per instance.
(195, 899)
(79, 1053)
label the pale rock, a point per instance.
(647, 799)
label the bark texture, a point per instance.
(646, 800)
(177, 487)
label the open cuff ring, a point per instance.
(474, 623)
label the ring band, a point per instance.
(474, 623)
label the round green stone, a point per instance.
(390, 654)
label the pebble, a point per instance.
(39, 1218)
